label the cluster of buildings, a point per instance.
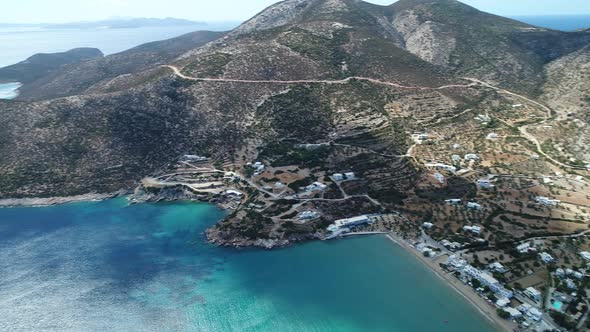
(459, 264)
(487, 280)
(530, 311)
(344, 177)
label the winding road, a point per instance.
(474, 82)
(178, 73)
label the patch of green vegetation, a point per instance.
(210, 66)
(252, 225)
(283, 154)
(300, 114)
(318, 48)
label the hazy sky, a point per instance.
(36, 11)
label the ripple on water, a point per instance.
(108, 266)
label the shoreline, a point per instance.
(466, 292)
(51, 201)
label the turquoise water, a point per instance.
(109, 266)
(557, 305)
(8, 90)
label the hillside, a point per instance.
(42, 65)
(477, 44)
(80, 77)
(311, 89)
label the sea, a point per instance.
(110, 266)
(557, 22)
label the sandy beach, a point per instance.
(40, 202)
(489, 311)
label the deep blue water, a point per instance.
(557, 22)
(111, 267)
(20, 43)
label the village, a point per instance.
(488, 206)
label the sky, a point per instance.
(50, 11)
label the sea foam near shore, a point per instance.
(9, 90)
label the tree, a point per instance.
(503, 313)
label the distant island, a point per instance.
(113, 23)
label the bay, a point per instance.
(109, 266)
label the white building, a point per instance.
(472, 229)
(454, 201)
(485, 183)
(547, 201)
(535, 314)
(514, 314)
(525, 248)
(350, 222)
(471, 156)
(338, 177)
(231, 192)
(474, 206)
(585, 255)
(497, 267)
(258, 167)
(308, 215)
(442, 167)
(502, 302)
(492, 136)
(488, 280)
(545, 257)
(560, 273)
(533, 294)
(193, 158)
(456, 262)
(427, 225)
(316, 186)
(350, 176)
(456, 158)
(439, 177)
(570, 284)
